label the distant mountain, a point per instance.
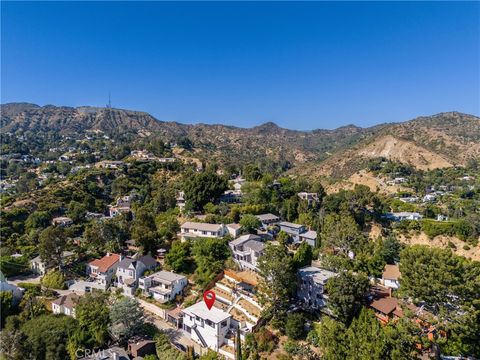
(426, 142)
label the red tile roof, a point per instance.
(106, 262)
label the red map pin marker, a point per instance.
(209, 298)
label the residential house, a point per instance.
(230, 197)
(246, 251)
(40, 267)
(103, 270)
(234, 229)
(391, 276)
(386, 309)
(113, 353)
(311, 198)
(268, 219)
(441, 217)
(141, 348)
(17, 293)
(163, 286)
(65, 304)
(130, 270)
(180, 198)
(311, 287)
(299, 233)
(405, 215)
(108, 164)
(310, 237)
(122, 206)
(62, 221)
(192, 230)
(429, 198)
(207, 327)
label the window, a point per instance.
(223, 324)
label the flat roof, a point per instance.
(291, 225)
(167, 276)
(201, 226)
(319, 275)
(200, 309)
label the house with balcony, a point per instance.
(209, 328)
(192, 230)
(130, 270)
(123, 205)
(311, 287)
(299, 233)
(246, 250)
(102, 271)
(163, 286)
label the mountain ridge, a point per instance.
(443, 139)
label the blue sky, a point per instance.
(303, 65)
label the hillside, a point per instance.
(436, 141)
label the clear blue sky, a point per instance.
(302, 65)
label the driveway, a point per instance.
(177, 336)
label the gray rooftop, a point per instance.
(200, 309)
(267, 217)
(244, 238)
(166, 276)
(291, 225)
(201, 226)
(319, 276)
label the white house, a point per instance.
(246, 251)
(191, 230)
(311, 286)
(400, 216)
(65, 304)
(163, 286)
(234, 229)
(40, 267)
(17, 293)
(311, 198)
(130, 270)
(206, 327)
(103, 270)
(391, 276)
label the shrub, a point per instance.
(54, 280)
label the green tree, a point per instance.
(366, 339)
(178, 258)
(47, 336)
(331, 339)
(210, 255)
(54, 279)
(6, 306)
(202, 188)
(438, 277)
(52, 243)
(303, 256)
(37, 220)
(126, 318)
(295, 326)
(249, 224)
(278, 280)
(93, 318)
(341, 232)
(346, 293)
(144, 231)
